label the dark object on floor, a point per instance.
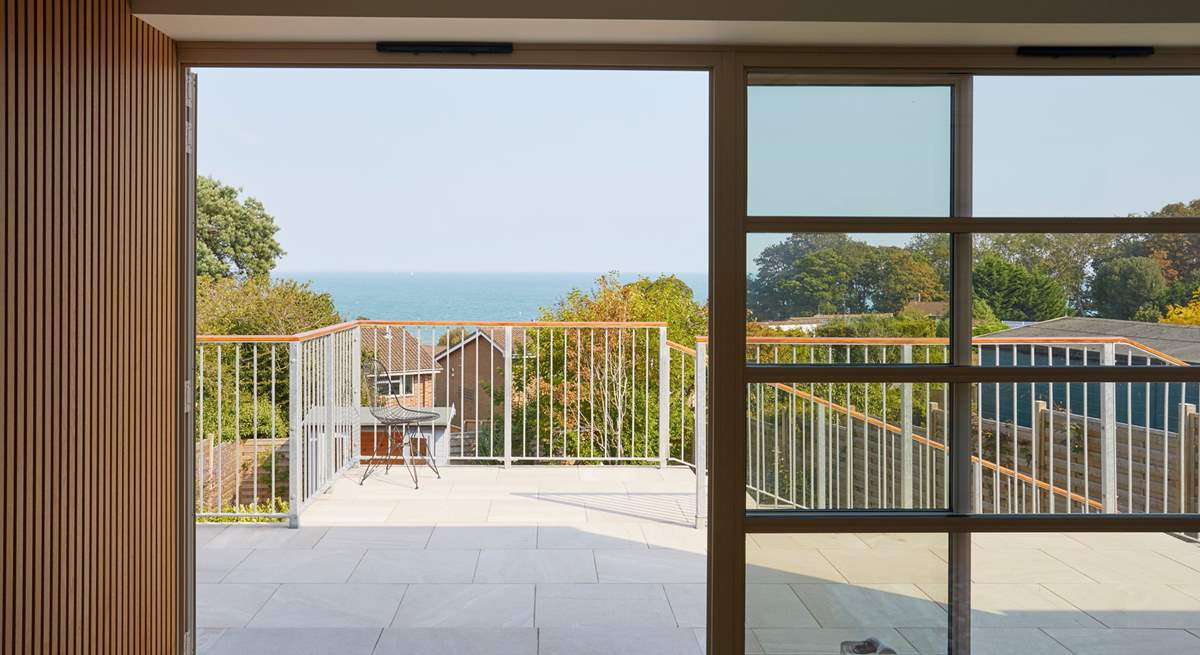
(867, 646)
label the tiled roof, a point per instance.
(397, 349)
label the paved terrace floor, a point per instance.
(590, 560)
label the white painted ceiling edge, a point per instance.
(192, 27)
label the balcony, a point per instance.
(569, 512)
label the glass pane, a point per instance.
(848, 150)
(1103, 447)
(1085, 146)
(824, 298)
(1148, 278)
(816, 593)
(1081, 593)
(846, 446)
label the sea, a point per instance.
(424, 296)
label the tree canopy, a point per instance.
(1022, 277)
(1184, 314)
(833, 274)
(235, 237)
(1128, 288)
(666, 298)
(1017, 293)
(260, 305)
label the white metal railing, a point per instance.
(536, 391)
(1038, 447)
(276, 420)
(506, 393)
(241, 435)
(550, 392)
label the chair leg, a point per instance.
(409, 465)
(431, 460)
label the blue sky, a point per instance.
(455, 170)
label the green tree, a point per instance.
(1122, 287)
(1015, 293)
(834, 274)
(234, 236)
(771, 292)
(897, 276)
(666, 298)
(822, 284)
(595, 388)
(1177, 254)
(1064, 258)
(260, 305)
(1184, 314)
(983, 319)
(252, 397)
(934, 250)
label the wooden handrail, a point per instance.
(1003, 470)
(681, 348)
(320, 332)
(978, 341)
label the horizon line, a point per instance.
(402, 272)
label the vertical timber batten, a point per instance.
(89, 270)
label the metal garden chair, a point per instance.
(398, 420)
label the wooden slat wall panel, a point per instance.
(88, 322)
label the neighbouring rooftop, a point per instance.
(1180, 341)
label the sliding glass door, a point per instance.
(944, 411)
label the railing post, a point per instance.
(700, 445)
(822, 441)
(1190, 440)
(508, 394)
(356, 389)
(664, 398)
(1108, 432)
(295, 453)
(326, 449)
(1042, 443)
(906, 427)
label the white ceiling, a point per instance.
(710, 32)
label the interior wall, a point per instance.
(88, 322)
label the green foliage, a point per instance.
(273, 506)
(833, 274)
(1184, 314)
(594, 392)
(882, 325)
(234, 237)
(666, 298)
(260, 305)
(1064, 258)
(1124, 286)
(234, 395)
(983, 319)
(1016, 293)
(250, 306)
(934, 249)
(1177, 254)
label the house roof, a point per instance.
(397, 349)
(494, 335)
(1181, 341)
